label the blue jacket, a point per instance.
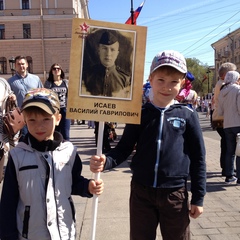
(169, 148)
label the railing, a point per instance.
(65, 36)
(34, 12)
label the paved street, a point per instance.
(221, 217)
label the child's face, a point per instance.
(42, 125)
(165, 86)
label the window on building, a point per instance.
(25, 4)
(3, 65)
(30, 66)
(1, 5)
(2, 31)
(26, 30)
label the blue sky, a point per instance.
(187, 26)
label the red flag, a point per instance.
(135, 15)
(205, 78)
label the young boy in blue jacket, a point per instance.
(42, 173)
(169, 149)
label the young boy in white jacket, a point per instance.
(42, 173)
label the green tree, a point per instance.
(199, 71)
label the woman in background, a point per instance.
(229, 108)
(57, 82)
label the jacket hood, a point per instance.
(229, 89)
(231, 77)
(31, 143)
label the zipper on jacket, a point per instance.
(54, 189)
(26, 222)
(72, 208)
(159, 142)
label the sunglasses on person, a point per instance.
(56, 68)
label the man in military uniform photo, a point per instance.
(106, 79)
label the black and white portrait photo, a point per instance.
(107, 64)
(106, 71)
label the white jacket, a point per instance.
(229, 105)
(45, 213)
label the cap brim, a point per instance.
(40, 105)
(170, 65)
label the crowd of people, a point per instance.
(45, 156)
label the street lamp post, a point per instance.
(132, 12)
(11, 64)
(208, 71)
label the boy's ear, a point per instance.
(183, 82)
(58, 118)
(150, 79)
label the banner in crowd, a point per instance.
(106, 71)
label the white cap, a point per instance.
(169, 58)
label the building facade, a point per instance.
(40, 30)
(227, 49)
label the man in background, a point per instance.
(22, 82)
